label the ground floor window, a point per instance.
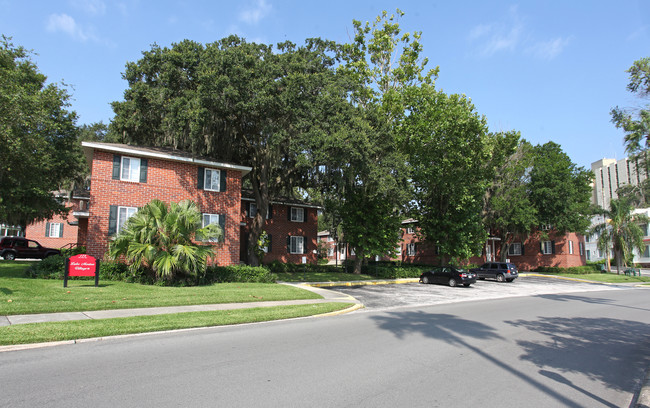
(514, 249)
(410, 249)
(123, 214)
(54, 229)
(296, 245)
(547, 247)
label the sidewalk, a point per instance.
(328, 296)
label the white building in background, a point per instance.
(609, 175)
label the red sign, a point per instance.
(82, 265)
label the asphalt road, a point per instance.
(387, 297)
(573, 349)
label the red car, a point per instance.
(19, 247)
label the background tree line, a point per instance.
(360, 128)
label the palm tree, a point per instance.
(621, 231)
(161, 238)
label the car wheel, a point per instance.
(9, 256)
(452, 282)
(501, 278)
(466, 285)
(425, 279)
(481, 278)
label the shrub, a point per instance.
(68, 252)
(52, 267)
(278, 267)
(114, 271)
(576, 270)
(239, 273)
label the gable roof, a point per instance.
(162, 153)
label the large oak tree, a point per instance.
(39, 152)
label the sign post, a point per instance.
(81, 265)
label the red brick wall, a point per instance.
(36, 231)
(532, 256)
(279, 227)
(169, 181)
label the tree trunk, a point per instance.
(358, 262)
(618, 262)
(504, 251)
(259, 180)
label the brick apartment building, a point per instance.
(124, 178)
(561, 250)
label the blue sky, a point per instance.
(550, 69)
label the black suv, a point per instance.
(19, 247)
(501, 271)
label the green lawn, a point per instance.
(604, 277)
(81, 329)
(20, 295)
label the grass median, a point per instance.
(601, 277)
(83, 329)
(21, 295)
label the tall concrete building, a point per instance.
(610, 174)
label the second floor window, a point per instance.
(212, 179)
(297, 214)
(130, 169)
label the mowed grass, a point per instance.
(21, 295)
(603, 277)
(83, 329)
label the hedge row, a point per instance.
(577, 270)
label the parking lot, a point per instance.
(384, 297)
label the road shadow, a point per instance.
(585, 299)
(603, 348)
(439, 326)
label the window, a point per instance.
(514, 248)
(570, 247)
(212, 180)
(410, 249)
(547, 247)
(252, 210)
(330, 251)
(546, 227)
(409, 230)
(218, 219)
(123, 214)
(54, 229)
(297, 214)
(296, 245)
(589, 255)
(129, 169)
(644, 228)
(398, 251)
(646, 252)
(581, 248)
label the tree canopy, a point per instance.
(232, 100)
(40, 152)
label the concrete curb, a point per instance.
(361, 282)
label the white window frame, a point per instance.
(514, 249)
(130, 169)
(581, 248)
(214, 176)
(410, 249)
(123, 214)
(570, 247)
(398, 250)
(409, 230)
(211, 219)
(54, 230)
(296, 244)
(548, 247)
(297, 214)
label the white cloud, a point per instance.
(496, 37)
(256, 12)
(549, 49)
(512, 35)
(93, 7)
(66, 24)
